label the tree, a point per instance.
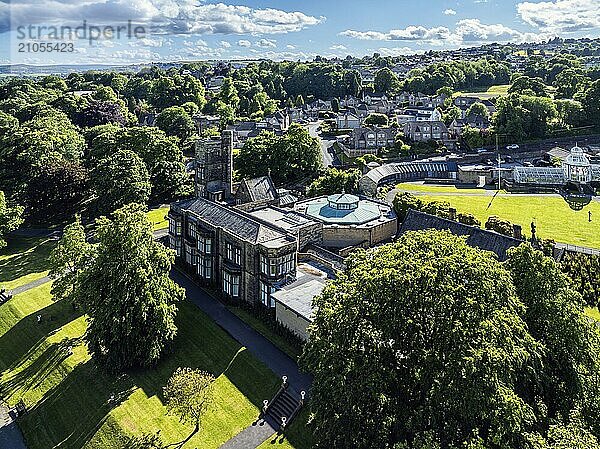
(335, 181)
(499, 225)
(119, 180)
(68, 260)
(229, 94)
(56, 191)
(469, 220)
(590, 100)
(175, 121)
(386, 81)
(292, 157)
(569, 82)
(524, 85)
(100, 113)
(377, 119)
(478, 109)
(403, 202)
(570, 342)
(10, 218)
(127, 293)
(406, 341)
(189, 394)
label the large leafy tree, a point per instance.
(420, 338)
(175, 121)
(568, 377)
(57, 191)
(335, 181)
(10, 218)
(590, 101)
(161, 154)
(386, 81)
(119, 180)
(290, 158)
(127, 293)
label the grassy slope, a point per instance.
(24, 260)
(486, 94)
(294, 437)
(593, 312)
(158, 218)
(553, 216)
(73, 404)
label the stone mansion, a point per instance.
(248, 241)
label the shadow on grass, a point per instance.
(28, 255)
(74, 410)
(23, 339)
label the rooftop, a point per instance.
(344, 209)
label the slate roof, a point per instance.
(236, 222)
(476, 237)
(261, 189)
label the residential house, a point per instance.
(373, 138)
(473, 121)
(464, 103)
(348, 121)
(419, 114)
(425, 131)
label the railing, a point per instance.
(578, 249)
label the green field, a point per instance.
(74, 404)
(158, 217)
(485, 93)
(436, 188)
(24, 260)
(553, 216)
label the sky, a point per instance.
(141, 31)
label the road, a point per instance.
(327, 156)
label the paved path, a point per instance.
(30, 285)
(279, 362)
(252, 436)
(10, 435)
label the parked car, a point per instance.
(481, 150)
(514, 146)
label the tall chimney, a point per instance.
(517, 232)
(452, 213)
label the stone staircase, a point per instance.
(285, 407)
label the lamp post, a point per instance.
(265, 406)
(284, 383)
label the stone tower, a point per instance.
(214, 167)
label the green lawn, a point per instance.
(553, 216)
(158, 217)
(24, 260)
(485, 93)
(295, 436)
(593, 312)
(74, 404)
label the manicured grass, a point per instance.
(593, 312)
(158, 217)
(74, 404)
(24, 260)
(293, 351)
(553, 216)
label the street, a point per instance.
(328, 160)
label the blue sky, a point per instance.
(178, 30)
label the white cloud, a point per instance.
(410, 33)
(561, 15)
(450, 12)
(472, 30)
(225, 44)
(468, 31)
(244, 43)
(290, 47)
(338, 47)
(267, 43)
(160, 16)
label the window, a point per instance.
(231, 284)
(191, 230)
(189, 254)
(265, 294)
(277, 266)
(205, 245)
(234, 253)
(205, 267)
(176, 245)
(174, 227)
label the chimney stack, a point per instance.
(452, 212)
(517, 232)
